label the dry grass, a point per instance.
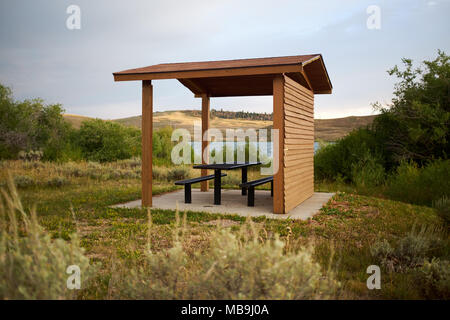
(342, 233)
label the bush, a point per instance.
(231, 179)
(162, 146)
(30, 155)
(132, 163)
(159, 173)
(368, 172)
(442, 207)
(108, 141)
(410, 252)
(234, 266)
(178, 173)
(24, 181)
(73, 169)
(57, 182)
(420, 185)
(32, 265)
(31, 125)
(434, 279)
(341, 158)
(415, 126)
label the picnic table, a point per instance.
(218, 167)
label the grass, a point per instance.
(342, 233)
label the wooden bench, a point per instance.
(187, 185)
(250, 186)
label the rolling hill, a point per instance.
(333, 129)
(325, 129)
(75, 120)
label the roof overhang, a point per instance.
(244, 77)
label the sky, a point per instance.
(41, 57)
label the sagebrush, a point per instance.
(32, 265)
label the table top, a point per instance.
(226, 166)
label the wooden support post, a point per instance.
(147, 133)
(205, 144)
(278, 123)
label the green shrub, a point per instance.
(341, 158)
(178, 173)
(132, 163)
(57, 182)
(108, 141)
(420, 185)
(159, 173)
(368, 172)
(27, 165)
(231, 179)
(410, 251)
(434, 279)
(24, 181)
(162, 146)
(125, 174)
(234, 266)
(32, 265)
(33, 155)
(31, 125)
(442, 207)
(72, 169)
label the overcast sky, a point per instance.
(41, 57)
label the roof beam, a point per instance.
(193, 86)
(307, 80)
(209, 73)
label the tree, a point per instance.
(416, 125)
(30, 125)
(101, 140)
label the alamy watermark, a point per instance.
(239, 145)
(374, 19)
(74, 280)
(374, 280)
(73, 21)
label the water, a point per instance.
(218, 145)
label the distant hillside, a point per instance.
(75, 120)
(325, 129)
(185, 119)
(333, 129)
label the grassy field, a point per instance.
(75, 198)
(325, 129)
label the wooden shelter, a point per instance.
(292, 81)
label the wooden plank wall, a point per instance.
(298, 144)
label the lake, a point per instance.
(229, 144)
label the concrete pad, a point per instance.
(234, 203)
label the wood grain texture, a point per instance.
(278, 124)
(147, 142)
(204, 186)
(298, 141)
(223, 64)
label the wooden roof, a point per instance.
(242, 77)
